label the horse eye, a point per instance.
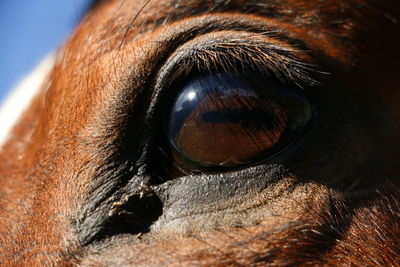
(225, 120)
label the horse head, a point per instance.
(212, 133)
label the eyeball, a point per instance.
(227, 120)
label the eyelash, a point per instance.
(239, 55)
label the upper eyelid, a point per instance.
(262, 56)
(237, 51)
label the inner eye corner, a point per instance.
(224, 121)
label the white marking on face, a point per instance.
(21, 96)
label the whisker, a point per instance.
(131, 23)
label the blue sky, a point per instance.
(29, 30)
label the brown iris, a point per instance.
(230, 130)
(223, 120)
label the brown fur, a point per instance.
(80, 156)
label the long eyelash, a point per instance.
(239, 55)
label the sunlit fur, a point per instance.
(16, 103)
(76, 173)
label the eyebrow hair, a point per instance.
(328, 13)
(344, 23)
(271, 8)
(342, 18)
(340, 21)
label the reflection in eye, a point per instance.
(222, 120)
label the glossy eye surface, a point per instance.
(224, 120)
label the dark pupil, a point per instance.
(219, 120)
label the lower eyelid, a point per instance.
(194, 193)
